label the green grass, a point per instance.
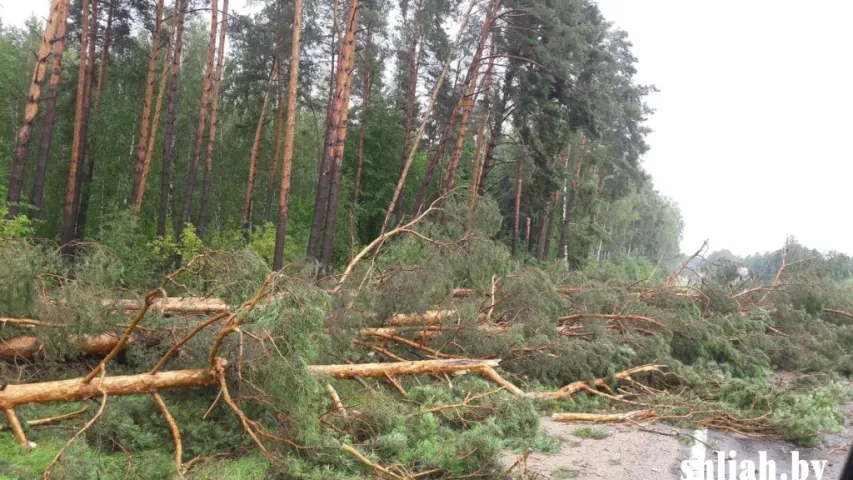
(591, 433)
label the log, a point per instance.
(75, 389)
(579, 385)
(27, 347)
(173, 305)
(381, 370)
(604, 316)
(603, 417)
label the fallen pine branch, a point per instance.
(604, 417)
(604, 316)
(27, 347)
(581, 385)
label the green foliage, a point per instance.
(591, 433)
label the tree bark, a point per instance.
(494, 138)
(256, 151)
(22, 142)
(335, 133)
(142, 144)
(481, 133)
(171, 116)
(25, 348)
(552, 209)
(37, 197)
(374, 370)
(540, 235)
(287, 160)
(155, 123)
(76, 389)
(570, 201)
(214, 123)
(69, 216)
(517, 206)
(279, 124)
(367, 82)
(414, 64)
(202, 118)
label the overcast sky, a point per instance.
(753, 124)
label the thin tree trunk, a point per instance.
(449, 183)
(336, 106)
(420, 200)
(142, 144)
(155, 123)
(367, 82)
(171, 114)
(214, 123)
(552, 209)
(570, 201)
(287, 160)
(414, 64)
(202, 118)
(527, 232)
(69, 213)
(481, 133)
(22, 142)
(517, 207)
(37, 197)
(256, 151)
(540, 236)
(279, 125)
(86, 187)
(494, 138)
(347, 61)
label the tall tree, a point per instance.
(413, 56)
(202, 118)
(334, 129)
(277, 138)
(287, 160)
(57, 15)
(256, 151)
(37, 196)
(214, 123)
(516, 211)
(171, 116)
(142, 144)
(570, 195)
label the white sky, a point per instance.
(752, 117)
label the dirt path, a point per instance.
(657, 451)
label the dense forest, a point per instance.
(366, 239)
(294, 135)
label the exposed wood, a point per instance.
(670, 281)
(492, 375)
(376, 468)
(380, 370)
(173, 427)
(838, 312)
(603, 417)
(482, 134)
(50, 420)
(15, 426)
(75, 389)
(579, 385)
(336, 400)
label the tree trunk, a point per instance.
(142, 144)
(540, 235)
(348, 61)
(375, 370)
(517, 206)
(171, 116)
(287, 160)
(334, 129)
(37, 197)
(256, 151)
(279, 124)
(449, 183)
(367, 82)
(570, 201)
(69, 213)
(86, 187)
(552, 209)
(414, 65)
(155, 123)
(481, 133)
(495, 137)
(214, 123)
(202, 118)
(22, 142)
(420, 200)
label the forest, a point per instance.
(305, 224)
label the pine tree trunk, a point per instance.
(449, 183)
(316, 237)
(37, 197)
(347, 61)
(155, 123)
(552, 208)
(481, 133)
(540, 236)
(202, 118)
(570, 201)
(495, 137)
(414, 66)
(214, 123)
(279, 124)
(69, 216)
(420, 200)
(517, 206)
(142, 144)
(367, 82)
(287, 160)
(256, 152)
(22, 141)
(86, 187)
(171, 116)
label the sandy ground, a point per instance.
(656, 452)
